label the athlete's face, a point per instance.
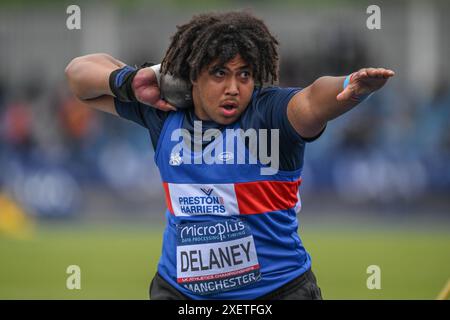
(222, 92)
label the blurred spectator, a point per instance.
(17, 126)
(78, 122)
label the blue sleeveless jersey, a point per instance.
(231, 232)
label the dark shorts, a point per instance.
(303, 287)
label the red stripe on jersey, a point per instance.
(168, 200)
(265, 196)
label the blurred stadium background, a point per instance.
(78, 187)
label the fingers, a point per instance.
(374, 73)
(361, 74)
(151, 96)
(164, 105)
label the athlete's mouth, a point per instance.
(229, 105)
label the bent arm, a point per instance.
(88, 78)
(104, 103)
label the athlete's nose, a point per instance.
(232, 88)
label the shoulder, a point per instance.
(268, 110)
(268, 107)
(273, 96)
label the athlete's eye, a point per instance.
(245, 74)
(219, 73)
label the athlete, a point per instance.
(231, 228)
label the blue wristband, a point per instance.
(347, 81)
(355, 97)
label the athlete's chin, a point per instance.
(223, 120)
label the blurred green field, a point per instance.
(118, 261)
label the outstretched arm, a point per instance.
(325, 99)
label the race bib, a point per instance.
(214, 257)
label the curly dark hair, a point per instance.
(222, 36)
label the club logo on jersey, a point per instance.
(175, 159)
(207, 191)
(225, 156)
(201, 204)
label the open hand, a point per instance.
(365, 81)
